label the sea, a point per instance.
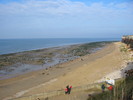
(8, 46)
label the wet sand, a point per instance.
(12, 65)
(80, 71)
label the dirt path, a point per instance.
(82, 95)
(75, 73)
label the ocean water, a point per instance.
(18, 45)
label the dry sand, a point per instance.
(76, 73)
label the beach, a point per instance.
(14, 64)
(80, 71)
(48, 46)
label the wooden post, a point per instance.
(122, 94)
(114, 92)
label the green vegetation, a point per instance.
(131, 45)
(29, 57)
(123, 48)
(42, 56)
(123, 90)
(87, 48)
(128, 40)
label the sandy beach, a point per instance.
(81, 71)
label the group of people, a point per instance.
(108, 86)
(68, 89)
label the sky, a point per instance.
(65, 18)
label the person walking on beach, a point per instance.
(66, 90)
(69, 90)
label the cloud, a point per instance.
(65, 8)
(65, 14)
(60, 7)
(55, 16)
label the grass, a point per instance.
(123, 90)
(123, 48)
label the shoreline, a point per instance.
(75, 73)
(56, 58)
(21, 45)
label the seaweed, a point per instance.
(87, 48)
(41, 56)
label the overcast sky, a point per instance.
(65, 18)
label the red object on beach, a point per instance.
(110, 87)
(70, 86)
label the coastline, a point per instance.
(76, 73)
(8, 46)
(12, 65)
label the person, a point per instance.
(110, 87)
(103, 87)
(69, 90)
(66, 90)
